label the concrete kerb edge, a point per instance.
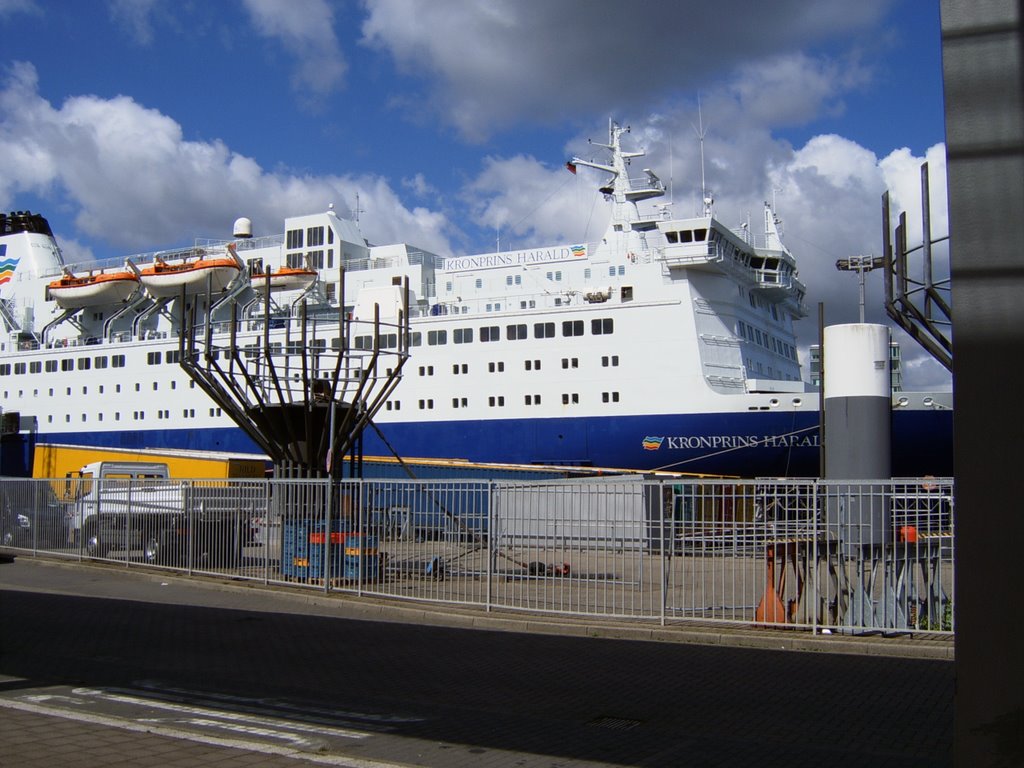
(373, 608)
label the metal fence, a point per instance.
(843, 556)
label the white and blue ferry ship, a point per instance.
(668, 343)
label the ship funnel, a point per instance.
(243, 228)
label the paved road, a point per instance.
(109, 666)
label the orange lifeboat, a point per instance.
(285, 279)
(93, 290)
(162, 278)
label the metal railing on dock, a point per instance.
(860, 556)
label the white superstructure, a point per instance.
(667, 342)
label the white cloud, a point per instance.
(8, 7)
(490, 65)
(305, 28)
(136, 17)
(137, 183)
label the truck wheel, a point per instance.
(158, 549)
(152, 549)
(96, 545)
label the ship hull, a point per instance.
(734, 444)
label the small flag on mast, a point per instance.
(571, 167)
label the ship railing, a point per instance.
(863, 556)
(645, 184)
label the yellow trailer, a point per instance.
(51, 460)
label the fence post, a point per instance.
(662, 547)
(490, 546)
(816, 533)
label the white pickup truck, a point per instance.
(134, 505)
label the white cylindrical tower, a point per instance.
(858, 410)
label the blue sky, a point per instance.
(139, 124)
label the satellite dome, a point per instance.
(243, 228)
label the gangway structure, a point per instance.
(918, 298)
(302, 385)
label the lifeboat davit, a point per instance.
(93, 290)
(168, 279)
(285, 279)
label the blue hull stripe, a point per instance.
(743, 444)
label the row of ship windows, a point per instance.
(766, 340)
(487, 333)
(67, 364)
(162, 414)
(607, 361)
(553, 276)
(498, 401)
(101, 389)
(601, 326)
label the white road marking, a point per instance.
(217, 741)
(203, 712)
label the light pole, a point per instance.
(860, 265)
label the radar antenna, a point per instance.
(701, 132)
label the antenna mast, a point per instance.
(701, 132)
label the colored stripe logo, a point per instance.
(578, 251)
(652, 443)
(7, 266)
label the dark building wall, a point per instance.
(982, 70)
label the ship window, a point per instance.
(570, 398)
(294, 238)
(490, 333)
(426, 404)
(19, 368)
(686, 236)
(315, 259)
(35, 367)
(153, 358)
(415, 339)
(533, 365)
(672, 237)
(626, 293)
(51, 366)
(700, 235)
(514, 332)
(462, 335)
(497, 367)
(117, 361)
(389, 340)
(100, 362)
(315, 236)
(543, 330)
(609, 361)
(479, 283)
(533, 399)
(570, 362)
(5, 369)
(601, 325)
(172, 356)
(496, 401)
(437, 338)
(84, 363)
(67, 365)
(363, 342)
(572, 327)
